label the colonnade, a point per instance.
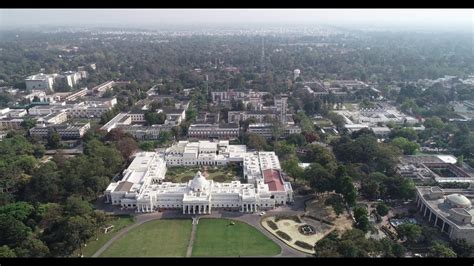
(196, 208)
(249, 207)
(426, 211)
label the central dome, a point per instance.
(458, 201)
(199, 182)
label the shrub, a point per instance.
(303, 245)
(382, 209)
(283, 235)
(272, 225)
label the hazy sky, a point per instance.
(110, 17)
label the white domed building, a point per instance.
(450, 212)
(143, 188)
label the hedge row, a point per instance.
(304, 245)
(272, 225)
(283, 235)
(285, 217)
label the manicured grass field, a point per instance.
(93, 245)
(218, 238)
(180, 174)
(159, 238)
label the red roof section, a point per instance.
(273, 180)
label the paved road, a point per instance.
(253, 219)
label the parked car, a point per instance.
(261, 213)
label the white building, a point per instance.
(40, 82)
(142, 188)
(449, 210)
(220, 131)
(76, 131)
(53, 118)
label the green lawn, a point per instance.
(93, 245)
(159, 238)
(218, 238)
(181, 174)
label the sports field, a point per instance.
(158, 238)
(219, 238)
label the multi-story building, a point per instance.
(65, 131)
(237, 116)
(127, 122)
(75, 95)
(282, 106)
(14, 123)
(53, 118)
(219, 131)
(40, 82)
(448, 210)
(266, 130)
(102, 88)
(72, 78)
(143, 188)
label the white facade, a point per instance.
(142, 187)
(40, 82)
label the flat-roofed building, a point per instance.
(449, 210)
(65, 131)
(218, 131)
(40, 82)
(14, 123)
(53, 118)
(143, 188)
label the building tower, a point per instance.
(262, 60)
(281, 104)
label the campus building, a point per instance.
(143, 187)
(450, 210)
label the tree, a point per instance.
(284, 150)
(165, 137)
(382, 209)
(45, 184)
(292, 168)
(191, 114)
(462, 248)
(440, 250)
(76, 206)
(18, 210)
(12, 231)
(405, 145)
(254, 141)
(6, 252)
(153, 118)
(32, 248)
(361, 219)
(316, 153)
(147, 145)
(370, 189)
(434, 122)
(336, 202)
(54, 140)
(28, 123)
(336, 119)
(127, 146)
(412, 232)
(296, 139)
(320, 179)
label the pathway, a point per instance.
(141, 219)
(253, 219)
(193, 234)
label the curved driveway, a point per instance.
(252, 219)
